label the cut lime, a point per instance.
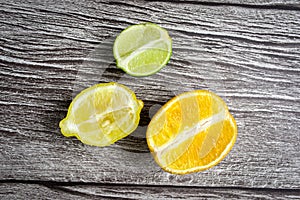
(102, 114)
(143, 49)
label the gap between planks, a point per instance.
(60, 183)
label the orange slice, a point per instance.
(192, 132)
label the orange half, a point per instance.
(192, 132)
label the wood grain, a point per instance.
(247, 55)
(85, 191)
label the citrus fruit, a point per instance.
(192, 132)
(143, 49)
(102, 114)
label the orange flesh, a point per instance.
(192, 132)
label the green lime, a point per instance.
(143, 49)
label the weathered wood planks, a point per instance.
(249, 56)
(86, 191)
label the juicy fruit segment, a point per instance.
(143, 49)
(192, 132)
(102, 114)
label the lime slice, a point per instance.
(102, 114)
(143, 49)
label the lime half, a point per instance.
(102, 114)
(143, 49)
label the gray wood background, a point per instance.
(246, 51)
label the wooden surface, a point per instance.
(89, 191)
(248, 52)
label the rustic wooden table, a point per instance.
(246, 51)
